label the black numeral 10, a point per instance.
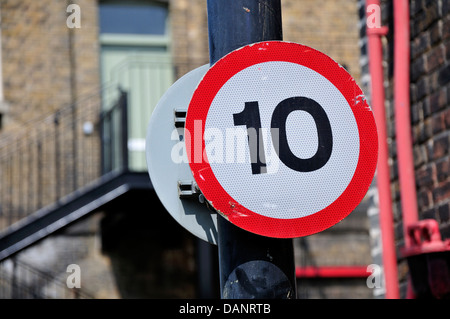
(250, 117)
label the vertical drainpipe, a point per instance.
(374, 33)
(403, 116)
(403, 121)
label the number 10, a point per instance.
(250, 117)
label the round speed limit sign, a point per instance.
(280, 139)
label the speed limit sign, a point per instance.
(281, 141)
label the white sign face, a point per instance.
(282, 142)
(165, 159)
(302, 138)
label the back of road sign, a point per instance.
(167, 163)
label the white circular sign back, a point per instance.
(167, 162)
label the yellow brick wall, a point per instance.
(36, 64)
(46, 65)
(328, 26)
(189, 34)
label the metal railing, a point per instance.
(18, 280)
(45, 161)
(49, 159)
(114, 135)
(61, 153)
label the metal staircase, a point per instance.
(64, 167)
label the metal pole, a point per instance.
(250, 266)
(383, 176)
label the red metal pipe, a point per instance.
(403, 116)
(332, 272)
(403, 122)
(374, 33)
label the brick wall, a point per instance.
(330, 28)
(189, 32)
(430, 108)
(46, 64)
(31, 32)
(429, 94)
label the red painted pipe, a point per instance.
(403, 121)
(403, 116)
(332, 272)
(374, 33)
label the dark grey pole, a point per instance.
(251, 266)
(233, 24)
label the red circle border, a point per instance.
(239, 215)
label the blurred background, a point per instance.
(74, 109)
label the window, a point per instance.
(135, 56)
(120, 18)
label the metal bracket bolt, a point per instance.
(179, 118)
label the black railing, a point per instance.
(53, 157)
(49, 158)
(114, 135)
(43, 162)
(19, 280)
